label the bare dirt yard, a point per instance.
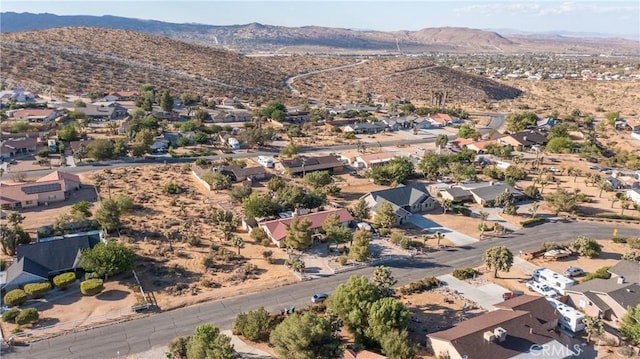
(174, 270)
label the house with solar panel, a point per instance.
(53, 187)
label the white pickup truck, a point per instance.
(540, 288)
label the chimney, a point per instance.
(488, 336)
(500, 333)
(620, 280)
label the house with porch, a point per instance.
(404, 199)
(277, 229)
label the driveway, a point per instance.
(485, 295)
(459, 239)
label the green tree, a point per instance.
(166, 101)
(20, 127)
(318, 179)
(559, 130)
(274, 184)
(81, 209)
(359, 250)
(517, 122)
(383, 279)
(351, 301)
(466, 131)
(559, 145)
(441, 141)
(108, 259)
(385, 315)
(334, 231)
(14, 218)
(177, 348)
(630, 325)
(69, 133)
(11, 237)
(298, 234)
(385, 217)
(396, 344)
(305, 336)
(208, 343)
(289, 150)
(100, 149)
(254, 325)
(393, 172)
(360, 210)
(498, 258)
(268, 111)
(29, 315)
(120, 148)
(108, 216)
(216, 180)
(257, 205)
(257, 136)
(612, 117)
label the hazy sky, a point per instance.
(610, 17)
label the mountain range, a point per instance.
(259, 38)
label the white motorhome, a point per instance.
(556, 281)
(266, 161)
(570, 318)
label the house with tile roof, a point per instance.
(53, 187)
(440, 119)
(500, 334)
(404, 199)
(39, 261)
(277, 229)
(34, 115)
(610, 298)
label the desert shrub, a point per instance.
(91, 275)
(15, 297)
(634, 243)
(406, 243)
(268, 256)
(586, 247)
(27, 316)
(91, 286)
(465, 273)
(208, 261)
(208, 283)
(384, 231)
(202, 162)
(532, 221)
(36, 290)
(631, 256)
(16, 330)
(195, 241)
(343, 260)
(258, 234)
(396, 238)
(547, 246)
(619, 240)
(173, 188)
(602, 273)
(420, 286)
(266, 242)
(10, 315)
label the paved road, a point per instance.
(289, 81)
(141, 335)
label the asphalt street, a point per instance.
(119, 340)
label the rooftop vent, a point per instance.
(500, 333)
(620, 280)
(489, 336)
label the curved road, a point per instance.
(289, 81)
(158, 329)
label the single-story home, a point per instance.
(18, 95)
(304, 164)
(39, 261)
(103, 113)
(239, 174)
(609, 298)
(365, 127)
(11, 147)
(501, 334)
(487, 192)
(34, 115)
(50, 188)
(524, 139)
(440, 119)
(277, 229)
(122, 96)
(634, 195)
(403, 199)
(373, 159)
(456, 194)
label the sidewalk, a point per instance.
(457, 238)
(244, 350)
(523, 265)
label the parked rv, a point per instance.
(556, 281)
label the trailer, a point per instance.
(570, 318)
(556, 281)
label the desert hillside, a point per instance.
(84, 59)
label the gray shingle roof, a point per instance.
(627, 269)
(402, 195)
(57, 255)
(490, 192)
(25, 265)
(628, 296)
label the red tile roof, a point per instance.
(59, 175)
(278, 228)
(441, 118)
(32, 112)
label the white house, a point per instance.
(266, 161)
(634, 195)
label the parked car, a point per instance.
(573, 272)
(512, 294)
(540, 288)
(319, 297)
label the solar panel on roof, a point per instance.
(40, 188)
